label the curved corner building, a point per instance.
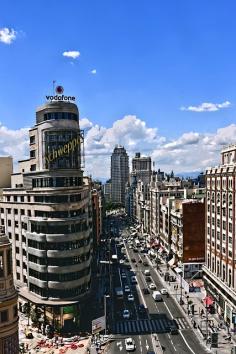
(47, 216)
(9, 342)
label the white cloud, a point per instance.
(207, 107)
(14, 143)
(192, 151)
(71, 54)
(94, 71)
(7, 35)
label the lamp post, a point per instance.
(105, 311)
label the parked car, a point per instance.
(133, 260)
(148, 279)
(123, 275)
(164, 291)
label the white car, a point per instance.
(122, 261)
(126, 314)
(164, 291)
(127, 289)
(123, 275)
(130, 297)
(129, 344)
(152, 286)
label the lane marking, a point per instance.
(168, 310)
(185, 341)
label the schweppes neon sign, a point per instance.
(65, 149)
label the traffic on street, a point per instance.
(141, 315)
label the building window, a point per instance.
(224, 225)
(16, 211)
(230, 227)
(22, 199)
(32, 154)
(22, 212)
(230, 254)
(33, 167)
(4, 316)
(1, 265)
(32, 139)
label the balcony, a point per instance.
(69, 284)
(69, 253)
(69, 268)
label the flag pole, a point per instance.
(53, 86)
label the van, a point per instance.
(157, 296)
(147, 272)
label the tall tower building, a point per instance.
(142, 168)
(119, 174)
(47, 216)
(220, 269)
(9, 342)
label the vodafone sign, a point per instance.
(59, 95)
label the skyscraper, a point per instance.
(119, 174)
(47, 216)
(142, 168)
(220, 271)
(9, 342)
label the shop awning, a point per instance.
(208, 301)
(178, 270)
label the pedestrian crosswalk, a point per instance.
(182, 323)
(140, 326)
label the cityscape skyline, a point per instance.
(172, 95)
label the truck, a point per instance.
(157, 295)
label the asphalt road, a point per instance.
(144, 327)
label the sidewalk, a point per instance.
(199, 319)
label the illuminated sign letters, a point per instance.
(60, 98)
(64, 150)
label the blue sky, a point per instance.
(151, 58)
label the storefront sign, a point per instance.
(60, 98)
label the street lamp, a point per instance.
(105, 311)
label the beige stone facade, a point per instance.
(47, 216)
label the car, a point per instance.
(146, 291)
(130, 297)
(140, 261)
(133, 260)
(129, 344)
(141, 308)
(126, 314)
(127, 289)
(164, 291)
(130, 247)
(152, 286)
(122, 261)
(145, 263)
(123, 275)
(134, 280)
(148, 279)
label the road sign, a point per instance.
(98, 325)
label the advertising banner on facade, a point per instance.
(98, 325)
